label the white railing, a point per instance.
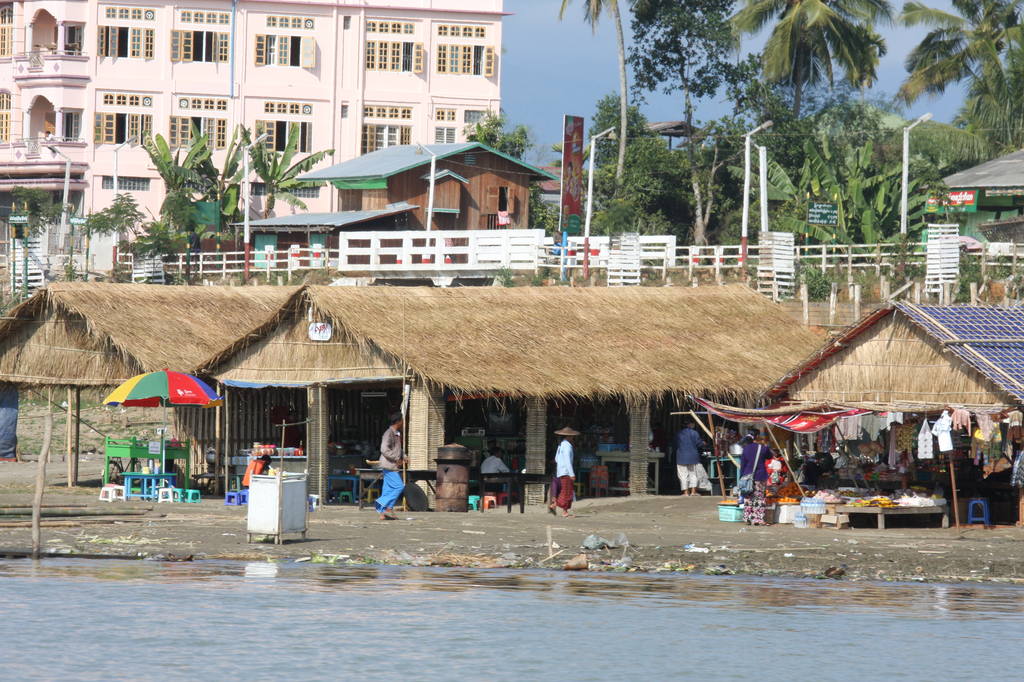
(463, 251)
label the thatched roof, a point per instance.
(100, 334)
(907, 357)
(553, 342)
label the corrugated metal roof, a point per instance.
(386, 162)
(991, 340)
(1006, 171)
(331, 220)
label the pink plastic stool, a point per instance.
(489, 501)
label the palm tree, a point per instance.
(994, 109)
(278, 173)
(809, 36)
(959, 46)
(592, 10)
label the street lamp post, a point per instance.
(64, 207)
(248, 199)
(590, 202)
(430, 196)
(906, 169)
(746, 189)
(762, 166)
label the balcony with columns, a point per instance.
(52, 55)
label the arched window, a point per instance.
(6, 31)
(5, 116)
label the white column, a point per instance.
(58, 117)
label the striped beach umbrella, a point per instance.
(163, 388)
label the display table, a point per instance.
(882, 512)
(134, 450)
(621, 456)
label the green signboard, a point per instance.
(76, 221)
(18, 219)
(823, 213)
(572, 224)
(19, 226)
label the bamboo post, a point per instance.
(884, 289)
(218, 438)
(785, 456)
(229, 437)
(78, 433)
(44, 454)
(947, 293)
(68, 440)
(878, 259)
(856, 301)
(952, 484)
(917, 293)
(804, 296)
(974, 293)
(1013, 265)
(718, 461)
(984, 263)
(832, 297)
(849, 264)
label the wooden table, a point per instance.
(623, 457)
(882, 512)
(512, 478)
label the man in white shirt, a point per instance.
(493, 465)
(564, 473)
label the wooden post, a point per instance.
(44, 454)
(849, 264)
(824, 258)
(69, 439)
(947, 293)
(775, 290)
(804, 298)
(536, 445)
(884, 289)
(952, 484)
(984, 263)
(974, 293)
(917, 293)
(832, 297)
(1013, 265)
(78, 433)
(225, 461)
(856, 301)
(878, 259)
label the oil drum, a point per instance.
(453, 463)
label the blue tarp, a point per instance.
(8, 421)
(232, 383)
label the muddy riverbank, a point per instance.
(663, 534)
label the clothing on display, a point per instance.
(985, 424)
(893, 418)
(961, 419)
(924, 442)
(848, 428)
(942, 431)
(1017, 478)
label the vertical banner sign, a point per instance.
(571, 214)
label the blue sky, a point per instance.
(538, 48)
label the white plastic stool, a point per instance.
(314, 502)
(111, 493)
(168, 495)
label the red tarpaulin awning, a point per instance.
(803, 418)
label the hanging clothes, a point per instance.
(872, 425)
(1017, 477)
(961, 419)
(977, 445)
(894, 456)
(924, 442)
(985, 424)
(1015, 429)
(848, 428)
(893, 418)
(905, 436)
(942, 430)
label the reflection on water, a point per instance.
(312, 621)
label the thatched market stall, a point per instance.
(533, 359)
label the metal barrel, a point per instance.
(453, 463)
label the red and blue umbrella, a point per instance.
(163, 388)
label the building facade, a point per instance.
(84, 81)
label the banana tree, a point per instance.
(279, 173)
(223, 184)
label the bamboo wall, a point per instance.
(895, 361)
(639, 444)
(536, 445)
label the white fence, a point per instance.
(455, 252)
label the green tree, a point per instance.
(592, 10)
(965, 45)
(122, 218)
(279, 171)
(223, 185)
(183, 176)
(993, 112)
(38, 205)
(809, 37)
(687, 49)
(491, 131)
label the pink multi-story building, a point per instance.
(87, 79)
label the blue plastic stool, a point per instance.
(979, 517)
(243, 496)
(233, 498)
(474, 502)
(192, 496)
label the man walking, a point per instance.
(564, 473)
(392, 457)
(688, 466)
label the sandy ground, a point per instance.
(657, 529)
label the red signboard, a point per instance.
(962, 200)
(572, 175)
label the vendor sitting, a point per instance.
(493, 464)
(256, 467)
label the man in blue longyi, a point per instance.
(392, 456)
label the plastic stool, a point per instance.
(314, 502)
(489, 501)
(243, 496)
(371, 494)
(346, 496)
(982, 516)
(502, 499)
(235, 482)
(168, 495)
(474, 502)
(233, 498)
(191, 496)
(111, 493)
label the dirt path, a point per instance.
(657, 529)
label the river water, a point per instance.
(111, 620)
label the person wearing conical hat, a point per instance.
(564, 472)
